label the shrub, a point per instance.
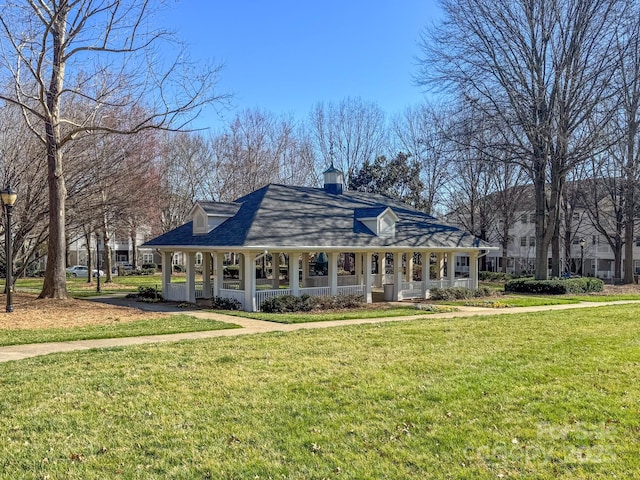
(338, 302)
(220, 303)
(149, 293)
(305, 303)
(494, 276)
(458, 293)
(178, 268)
(554, 286)
(287, 304)
(146, 266)
(145, 271)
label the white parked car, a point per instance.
(82, 271)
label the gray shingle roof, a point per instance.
(279, 216)
(220, 208)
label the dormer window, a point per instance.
(381, 220)
(207, 216)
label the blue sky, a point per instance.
(284, 56)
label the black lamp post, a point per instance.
(9, 196)
(582, 243)
(98, 289)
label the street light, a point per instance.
(98, 289)
(582, 243)
(9, 196)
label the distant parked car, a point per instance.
(82, 271)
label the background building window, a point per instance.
(523, 241)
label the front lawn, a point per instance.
(552, 395)
(79, 287)
(160, 326)
(305, 317)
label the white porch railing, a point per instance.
(231, 284)
(316, 291)
(200, 290)
(378, 280)
(351, 290)
(323, 281)
(444, 283)
(262, 295)
(411, 290)
(233, 294)
(175, 292)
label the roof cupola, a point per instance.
(333, 180)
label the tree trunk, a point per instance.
(630, 209)
(106, 252)
(87, 239)
(555, 251)
(542, 244)
(617, 262)
(629, 242)
(134, 249)
(55, 279)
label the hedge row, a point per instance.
(494, 276)
(555, 286)
(458, 293)
(306, 303)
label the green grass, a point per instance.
(78, 287)
(518, 300)
(552, 395)
(305, 317)
(160, 326)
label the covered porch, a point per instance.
(400, 274)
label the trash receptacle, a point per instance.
(388, 292)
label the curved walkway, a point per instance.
(250, 326)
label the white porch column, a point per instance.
(305, 269)
(206, 275)
(241, 275)
(358, 268)
(409, 266)
(275, 270)
(191, 278)
(451, 268)
(473, 270)
(398, 276)
(368, 258)
(440, 266)
(426, 273)
(167, 267)
(294, 273)
(333, 273)
(382, 265)
(249, 278)
(218, 273)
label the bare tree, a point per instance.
(422, 132)
(348, 134)
(22, 162)
(541, 69)
(627, 122)
(105, 53)
(183, 165)
(256, 149)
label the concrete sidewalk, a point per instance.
(250, 326)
